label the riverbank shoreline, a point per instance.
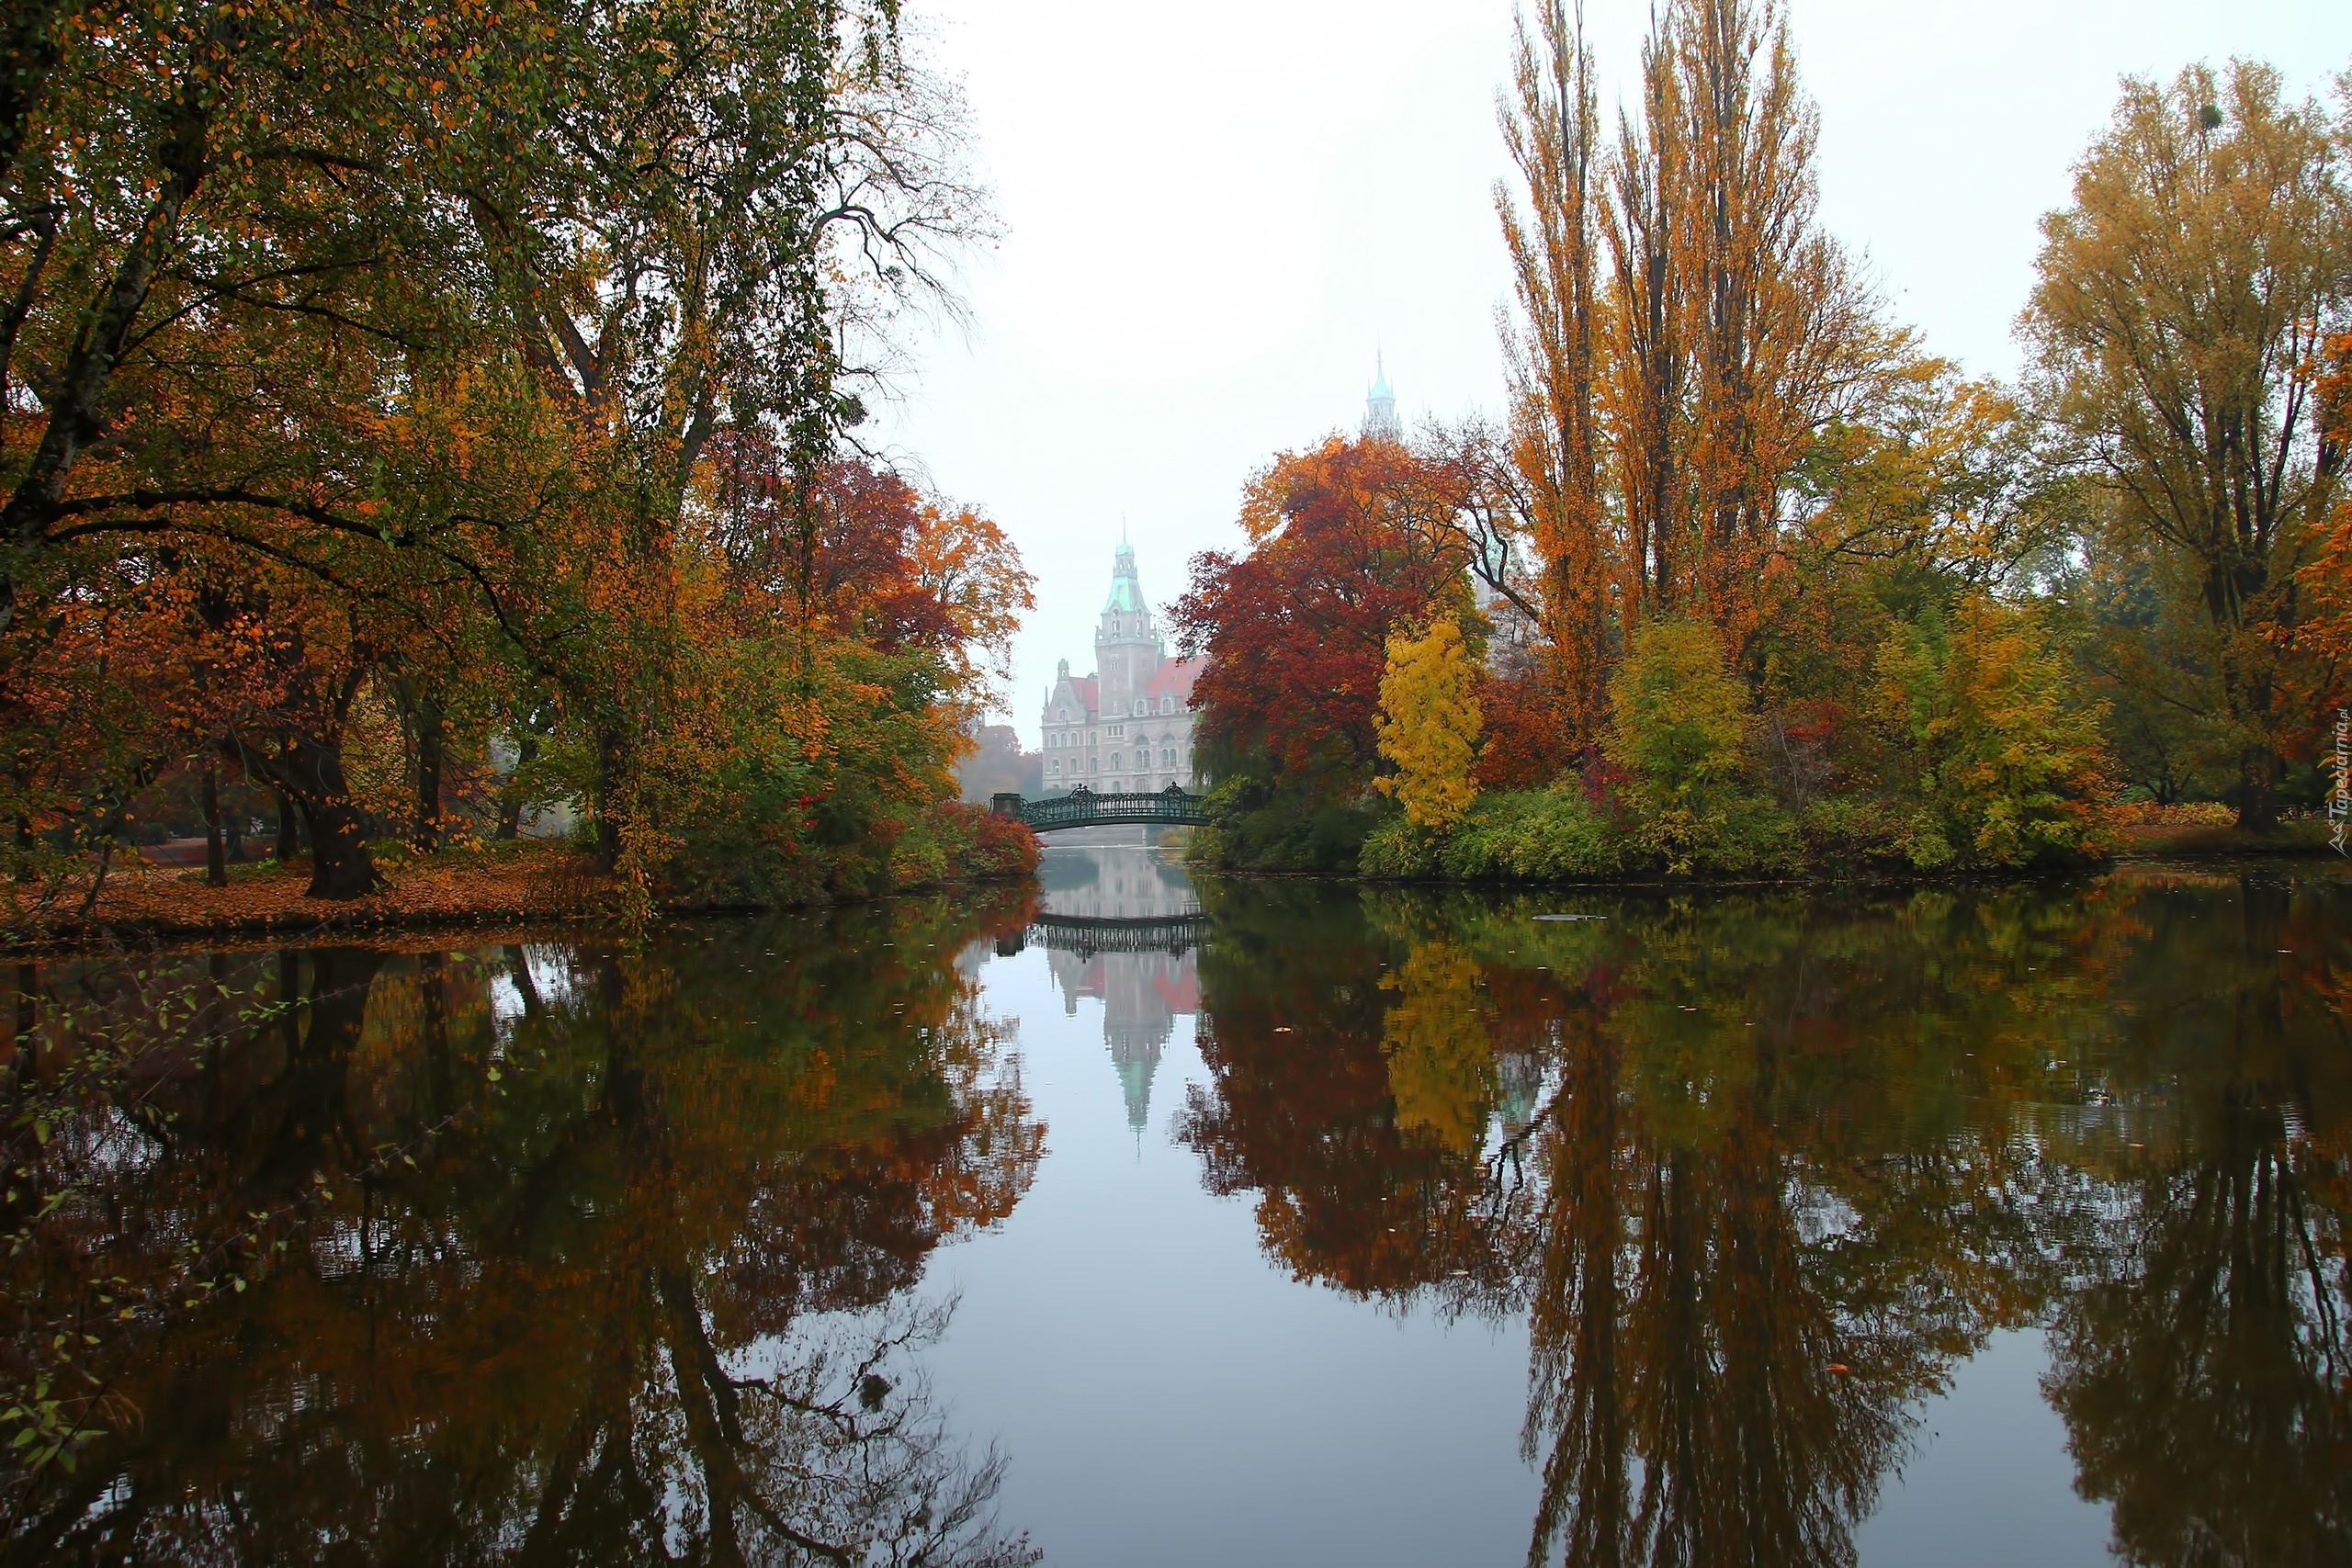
(2303, 840)
(534, 885)
(507, 885)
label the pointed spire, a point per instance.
(1380, 405)
(1126, 589)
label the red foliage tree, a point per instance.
(1349, 542)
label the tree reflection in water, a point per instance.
(1761, 1168)
(590, 1257)
(2205, 1370)
(563, 1253)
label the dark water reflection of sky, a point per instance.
(1308, 1224)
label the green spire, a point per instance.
(1126, 592)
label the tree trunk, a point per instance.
(510, 815)
(216, 861)
(608, 822)
(310, 770)
(2259, 768)
(289, 829)
(432, 726)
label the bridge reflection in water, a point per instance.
(1122, 927)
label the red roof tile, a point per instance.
(1174, 677)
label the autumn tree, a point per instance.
(739, 172)
(2181, 295)
(1550, 126)
(2327, 576)
(1740, 329)
(1677, 731)
(204, 204)
(1998, 748)
(222, 251)
(1685, 328)
(437, 323)
(1349, 542)
(1429, 724)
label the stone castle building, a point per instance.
(1128, 726)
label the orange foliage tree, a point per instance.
(1686, 329)
(2327, 576)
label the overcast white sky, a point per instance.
(1215, 213)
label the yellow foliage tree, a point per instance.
(1429, 724)
(2198, 273)
(1440, 1067)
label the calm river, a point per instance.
(1253, 1223)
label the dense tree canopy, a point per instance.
(432, 413)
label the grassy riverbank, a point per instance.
(2159, 842)
(506, 882)
(491, 884)
(1563, 835)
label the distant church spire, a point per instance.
(1380, 405)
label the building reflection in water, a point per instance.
(1113, 875)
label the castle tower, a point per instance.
(1128, 726)
(1380, 406)
(1127, 651)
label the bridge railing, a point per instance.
(1083, 808)
(1172, 934)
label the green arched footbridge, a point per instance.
(1082, 808)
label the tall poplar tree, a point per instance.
(1552, 126)
(1686, 328)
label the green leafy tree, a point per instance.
(1677, 732)
(2000, 749)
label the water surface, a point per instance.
(1253, 1221)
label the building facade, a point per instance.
(1128, 726)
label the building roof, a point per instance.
(1175, 677)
